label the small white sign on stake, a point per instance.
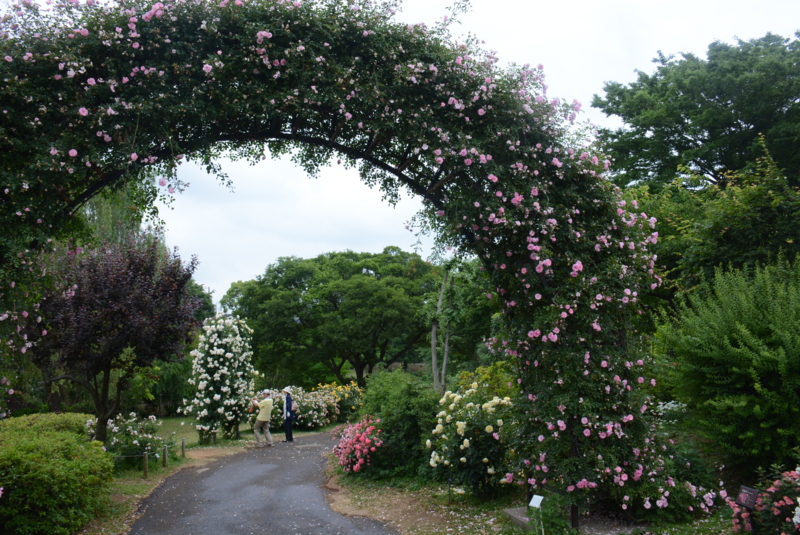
(536, 501)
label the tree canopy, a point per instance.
(748, 223)
(706, 114)
(360, 309)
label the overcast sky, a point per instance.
(276, 210)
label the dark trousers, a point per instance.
(287, 428)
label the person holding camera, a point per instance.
(262, 420)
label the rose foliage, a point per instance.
(98, 93)
(129, 437)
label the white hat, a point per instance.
(288, 390)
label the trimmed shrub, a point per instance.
(406, 408)
(36, 424)
(54, 481)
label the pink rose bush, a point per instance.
(777, 508)
(357, 443)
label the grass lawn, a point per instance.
(183, 427)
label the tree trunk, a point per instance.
(437, 384)
(444, 360)
(359, 369)
(447, 340)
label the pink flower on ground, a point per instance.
(134, 156)
(73, 152)
(481, 111)
(83, 112)
(207, 67)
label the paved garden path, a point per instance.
(264, 491)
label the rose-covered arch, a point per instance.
(97, 94)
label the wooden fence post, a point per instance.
(183, 448)
(144, 463)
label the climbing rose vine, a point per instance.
(222, 371)
(95, 94)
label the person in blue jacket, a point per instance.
(288, 413)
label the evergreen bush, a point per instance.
(36, 424)
(406, 408)
(733, 355)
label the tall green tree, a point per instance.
(460, 316)
(749, 222)
(338, 309)
(706, 114)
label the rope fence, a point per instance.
(164, 457)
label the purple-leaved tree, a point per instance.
(107, 312)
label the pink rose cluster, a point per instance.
(357, 442)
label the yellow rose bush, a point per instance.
(469, 440)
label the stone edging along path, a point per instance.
(263, 491)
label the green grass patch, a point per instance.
(718, 523)
(184, 427)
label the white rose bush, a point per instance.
(222, 372)
(129, 437)
(318, 408)
(469, 440)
